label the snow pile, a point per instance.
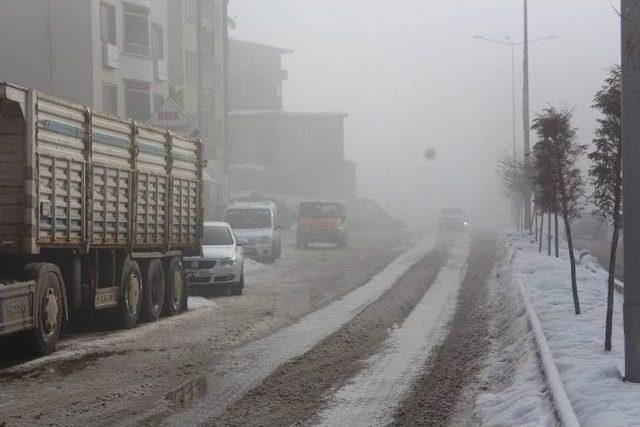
(591, 376)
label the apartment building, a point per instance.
(109, 54)
(127, 58)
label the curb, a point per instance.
(561, 401)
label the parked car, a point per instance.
(321, 221)
(222, 262)
(256, 222)
(452, 219)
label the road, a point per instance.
(385, 331)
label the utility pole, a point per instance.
(513, 97)
(525, 114)
(630, 180)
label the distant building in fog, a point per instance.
(290, 153)
(276, 151)
(255, 76)
(126, 58)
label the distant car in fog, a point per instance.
(222, 262)
(256, 222)
(321, 221)
(452, 219)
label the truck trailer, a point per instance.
(96, 213)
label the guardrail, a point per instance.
(561, 402)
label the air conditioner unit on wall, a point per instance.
(160, 70)
(110, 55)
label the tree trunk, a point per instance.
(611, 285)
(541, 232)
(555, 215)
(617, 201)
(549, 234)
(535, 218)
(572, 258)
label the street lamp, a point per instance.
(508, 42)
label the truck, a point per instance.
(321, 221)
(96, 213)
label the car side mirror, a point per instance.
(242, 242)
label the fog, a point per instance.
(411, 76)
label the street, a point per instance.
(385, 352)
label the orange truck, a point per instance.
(321, 221)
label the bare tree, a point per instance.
(558, 150)
(516, 182)
(606, 175)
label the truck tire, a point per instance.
(49, 304)
(130, 300)
(152, 290)
(175, 295)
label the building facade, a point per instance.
(290, 153)
(127, 57)
(280, 152)
(256, 76)
(108, 54)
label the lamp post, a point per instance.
(508, 42)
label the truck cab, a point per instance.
(321, 221)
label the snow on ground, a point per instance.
(196, 302)
(393, 371)
(513, 391)
(591, 376)
(244, 368)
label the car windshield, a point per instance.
(216, 235)
(249, 218)
(321, 210)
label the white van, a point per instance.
(256, 223)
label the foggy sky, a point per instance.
(411, 76)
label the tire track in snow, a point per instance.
(372, 396)
(246, 367)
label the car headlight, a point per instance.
(228, 261)
(265, 239)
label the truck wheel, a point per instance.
(130, 299)
(175, 295)
(49, 305)
(152, 290)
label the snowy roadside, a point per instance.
(592, 377)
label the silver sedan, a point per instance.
(222, 263)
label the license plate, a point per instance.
(16, 308)
(198, 273)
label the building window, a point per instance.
(137, 99)
(108, 23)
(191, 60)
(110, 99)
(157, 41)
(190, 9)
(158, 100)
(136, 30)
